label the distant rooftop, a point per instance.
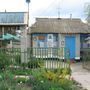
(13, 18)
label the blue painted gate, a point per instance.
(70, 44)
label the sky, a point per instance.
(46, 8)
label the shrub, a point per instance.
(57, 74)
(17, 59)
(4, 61)
(63, 71)
(7, 81)
(4, 85)
(50, 75)
(47, 85)
(43, 79)
(21, 71)
(66, 84)
(43, 84)
(7, 76)
(24, 65)
(37, 73)
(35, 63)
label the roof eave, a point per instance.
(12, 24)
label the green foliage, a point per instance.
(17, 59)
(35, 63)
(21, 71)
(37, 73)
(46, 85)
(6, 85)
(7, 81)
(43, 79)
(39, 79)
(66, 84)
(3, 85)
(4, 61)
(21, 79)
(63, 70)
(7, 76)
(50, 75)
(4, 43)
(57, 74)
(43, 84)
(87, 11)
(24, 65)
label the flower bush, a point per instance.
(43, 79)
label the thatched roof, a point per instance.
(55, 25)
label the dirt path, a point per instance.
(81, 75)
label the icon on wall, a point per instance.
(50, 40)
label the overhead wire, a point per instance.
(49, 9)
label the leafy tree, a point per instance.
(28, 1)
(87, 11)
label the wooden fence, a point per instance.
(38, 57)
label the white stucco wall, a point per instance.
(61, 40)
(77, 46)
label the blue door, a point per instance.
(70, 44)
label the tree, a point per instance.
(28, 1)
(87, 11)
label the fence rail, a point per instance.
(38, 57)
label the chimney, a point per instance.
(70, 16)
(5, 11)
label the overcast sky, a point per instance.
(46, 8)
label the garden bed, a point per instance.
(38, 79)
(24, 76)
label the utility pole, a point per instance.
(28, 40)
(24, 38)
(28, 1)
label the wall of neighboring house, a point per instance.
(13, 44)
(12, 21)
(83, 38)
(87, 41)
(7, 29)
